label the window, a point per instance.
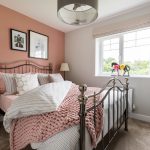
(132, 48)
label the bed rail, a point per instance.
(25, 66)
(116, 93)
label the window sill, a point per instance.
(131, 76)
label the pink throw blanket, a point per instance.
(39, 128)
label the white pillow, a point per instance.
(56, 77)
(43, 78)
(26, 82)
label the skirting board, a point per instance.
(139, 117)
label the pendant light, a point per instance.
(77, 12)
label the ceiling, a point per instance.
(45, 11)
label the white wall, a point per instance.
(80, 54)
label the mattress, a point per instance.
(6, 101)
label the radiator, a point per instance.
(130, 100)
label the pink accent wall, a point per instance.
(12, 19)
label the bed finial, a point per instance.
(83, 88)
(114, 82)
(82, 98)
(127, 80)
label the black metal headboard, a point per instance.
(25, 66)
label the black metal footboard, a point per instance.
(115, 102)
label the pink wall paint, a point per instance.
(12, 19)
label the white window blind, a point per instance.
(125, 25)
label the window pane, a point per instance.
(141, 42)
(106, 47)
(129, 44)
(143, 34)
(137, 51)
(106, 42)
(110, 54)
(130, 36)
(114, 46)
(115, 40)
(138, 58)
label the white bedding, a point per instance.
(6, 101)
(40, 100)
(30, 104)
(69, 139)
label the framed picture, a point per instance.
(18, 40)
(38, 45)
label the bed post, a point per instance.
(50, 68)
(126, 111)
(82, 114)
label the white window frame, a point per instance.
(99, 52)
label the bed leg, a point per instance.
(126, 125)
(126, 121)
(126, 111)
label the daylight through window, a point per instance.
(132, 48)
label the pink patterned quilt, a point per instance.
(38, 128)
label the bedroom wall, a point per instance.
(80, 54)
(12, 19)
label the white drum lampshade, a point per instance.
(77, 12)
(64, 67)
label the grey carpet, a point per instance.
(137, 138)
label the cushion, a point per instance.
(2, 86)
(10, 83)
(43, 78)
(56, 77)
(26, 82)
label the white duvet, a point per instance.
(69, 139)
(45, 98)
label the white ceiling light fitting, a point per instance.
(77, 12)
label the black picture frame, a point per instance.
(38, 45)
(18, 40)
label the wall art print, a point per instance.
(18, 40)
(38, 45)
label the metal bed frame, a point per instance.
(116, 87)
(114, 84)
(25, 66)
